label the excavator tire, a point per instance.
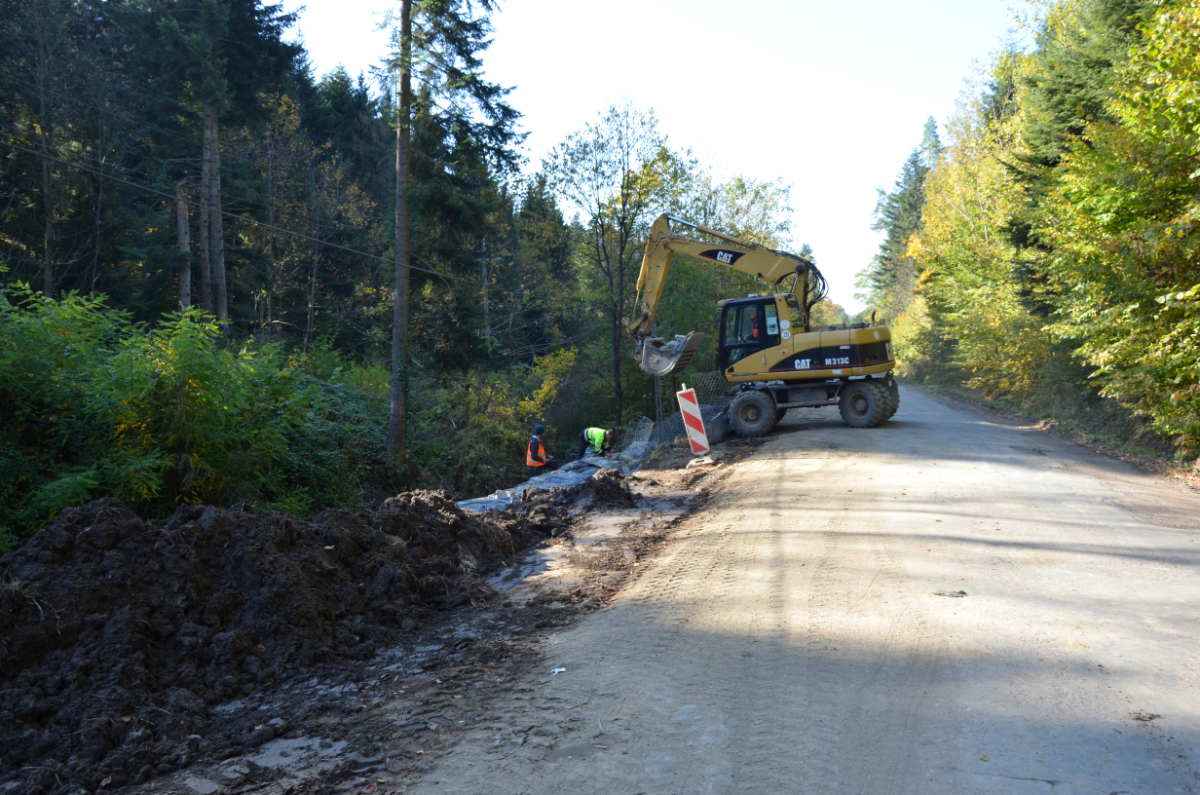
(890, 404)
(864, 404)
(779, 415)
(893, 401)
(752, 413)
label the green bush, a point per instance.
(92, 404)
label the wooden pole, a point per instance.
(397, 420)
(183, 228)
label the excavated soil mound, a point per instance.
(605, 490)
(119, 635)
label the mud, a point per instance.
(606, 490)
(677, 454)
(124, 642)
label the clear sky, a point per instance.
(829, 96)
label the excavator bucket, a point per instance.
(659, 357)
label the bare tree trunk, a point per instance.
(397, 420)
(43, 50)
(97, 232)
(312, 303)
(616, 362)
(216, 235)
(487, 328)
(48, 209)
(185, 248)
(206, 300)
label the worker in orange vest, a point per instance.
(536, 460)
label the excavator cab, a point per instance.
(748, 325)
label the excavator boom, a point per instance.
(659, 357)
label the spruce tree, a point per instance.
(438, 44)
(1074, 71)
(890, 280)
(212, 59)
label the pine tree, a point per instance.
(1071, 76)
(439, 44)
(213, 59)
(891, 279)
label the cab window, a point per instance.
(771, 316)
(747, 329)
(796, 317)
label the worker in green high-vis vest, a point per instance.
(594, 441)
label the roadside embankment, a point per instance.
(121, 637)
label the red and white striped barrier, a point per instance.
(692, 419)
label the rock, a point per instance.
(361, 762)
(236, 772)
(201, 786)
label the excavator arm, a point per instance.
(659, 357)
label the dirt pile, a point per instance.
(118, 635)
(605, 490)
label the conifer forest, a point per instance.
(225, 277)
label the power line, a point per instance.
(189, 145)
(226, 213)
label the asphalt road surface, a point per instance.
(792, 638)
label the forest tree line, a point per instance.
(198, 260)
(1043, 249)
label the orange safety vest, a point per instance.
(530, 461)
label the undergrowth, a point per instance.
(93, 404)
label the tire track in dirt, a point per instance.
(787, 640)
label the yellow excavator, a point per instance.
(768, 346)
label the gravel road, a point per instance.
(791, 638)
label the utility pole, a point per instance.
(185, 248)
(397, 420)
(483, 264)
(216, 233)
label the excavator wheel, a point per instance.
(864, 404)
(752, 413)
(779, 415)
(893, 393)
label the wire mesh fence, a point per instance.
(713, 393)
(632, 438)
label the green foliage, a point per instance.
(45, 346)
(1124, 221)
(472, 427)
(1056, 248)
(93, 404)
(190, 420)
(889, 283)
(1067, 82)
(521, 285)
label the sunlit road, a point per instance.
(792, 638)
